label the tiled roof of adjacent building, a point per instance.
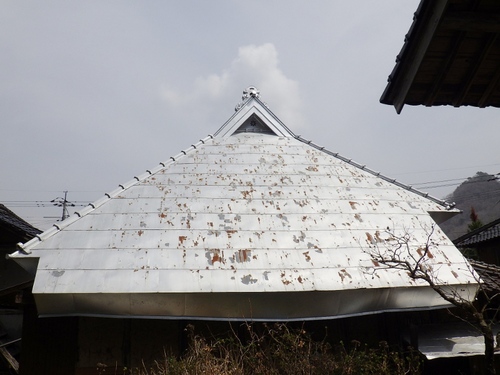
(485, 233)
(9, 220)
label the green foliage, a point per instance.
(278, 349)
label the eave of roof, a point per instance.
(485, 233)
(489, 274)
(19, 227)
(451, 56)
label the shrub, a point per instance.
(279, 349)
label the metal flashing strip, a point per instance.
(243, 319)
(451, 340)
(237, 306)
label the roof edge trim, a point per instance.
(24, 248)
(408, 60)
(447, 205)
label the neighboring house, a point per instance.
(253, 223)
(451, 56)
(485, 241)
(14, 283)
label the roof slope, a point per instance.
(490, 275)
(451, 56)
(251, 223)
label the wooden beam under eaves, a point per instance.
(459, 99)
(472, 21)
(489, 90)
(437, 83)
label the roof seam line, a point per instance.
(447, 205)
(107, 196)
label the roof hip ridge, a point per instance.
(57, 227)
(447, 205)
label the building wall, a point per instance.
(49, 344)
(489, 252)
(115, 344)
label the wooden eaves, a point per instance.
(451, 56)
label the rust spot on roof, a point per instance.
(243, 255)
(182, 239)
(230, 232)
(343, 274)
(306, 254)
(425, 251)
(215, 255)
(369, 238)
(300, 238)
(140, 233)
(353, 204)
(302, 202)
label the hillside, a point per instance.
(482, 192)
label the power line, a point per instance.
(64, 203)
(465, 180)
(448, 169)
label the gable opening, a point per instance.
(254, 124)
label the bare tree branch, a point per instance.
(400, 252)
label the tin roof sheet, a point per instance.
(254, 220)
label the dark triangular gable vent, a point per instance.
(254, 124)
(253, 116)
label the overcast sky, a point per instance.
(95, 92)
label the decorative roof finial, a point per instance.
(250, 91)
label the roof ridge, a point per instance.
(24, 247)
(447, 205)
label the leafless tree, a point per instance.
(399, 252)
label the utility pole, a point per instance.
(64, 203)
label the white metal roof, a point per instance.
(451, 340)
(251, 223)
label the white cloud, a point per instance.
(255, 65)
